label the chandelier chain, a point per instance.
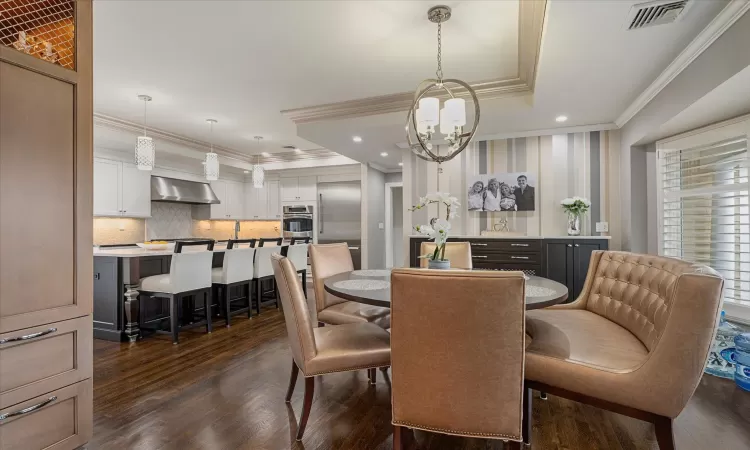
(439, 71)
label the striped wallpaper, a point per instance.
(583, 164)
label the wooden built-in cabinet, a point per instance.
(563, 260)
(46, 179)
(121, 189)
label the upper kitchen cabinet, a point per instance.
(299, 189)
(120, 189)
(232, 206)
(274, 200)
(262, 203)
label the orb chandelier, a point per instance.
(426, 116)
(259, 173)
(144, 145)
(211, 164)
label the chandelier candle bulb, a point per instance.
(455, 112)
(430, 107)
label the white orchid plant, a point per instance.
(438, 228)
(575, 205)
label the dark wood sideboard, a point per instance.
(560, 259)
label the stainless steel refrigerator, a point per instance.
(340, 216)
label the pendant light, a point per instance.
(259, 173)
(144, 145)
(211, 165)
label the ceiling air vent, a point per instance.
(659, 12)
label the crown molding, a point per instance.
(721, 23)
(531, 19)
(123, 125)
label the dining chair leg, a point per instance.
(527, 411)
(207, 310)
(304, 282)
(543, 395)
(398, 442)
(664, 433)
(306, 406)
(173, 319)
(372, 375)
(512, 445)
(292, 382)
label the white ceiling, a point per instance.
(243, 62)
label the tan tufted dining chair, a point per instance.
(318, 351)
(457, 366)
(328, 260)
(635, 341)
(458, 253)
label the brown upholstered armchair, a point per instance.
(635, 341)
(459, 254)
(457, 366)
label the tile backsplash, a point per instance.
(169, 220)
(174, 220)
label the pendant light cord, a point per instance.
(145, 102)
(439, 71)
(211, 135)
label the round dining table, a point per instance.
(373, 287)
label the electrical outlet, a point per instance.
(602, 227)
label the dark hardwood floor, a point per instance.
(226, 391)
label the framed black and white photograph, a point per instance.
(502, 192)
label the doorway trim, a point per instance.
(389, 221)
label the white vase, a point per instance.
(574, 224)
(438, 264)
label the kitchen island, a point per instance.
(564, 259)
(117, 275)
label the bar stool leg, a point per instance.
(225, 291)
(207, 310)
(304, 282)
(276, 292)
(249, 299)
(259, 294)
(173, 316)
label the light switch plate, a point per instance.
(381, 225)
(602, 227)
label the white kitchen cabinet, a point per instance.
(307, 188)
(120, 189)
(274, 200)
(136, 191)
(232, 198)
(107, 187)
(256, 202)
(299, 189)
(289, 189)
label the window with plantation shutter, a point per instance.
(704, 212)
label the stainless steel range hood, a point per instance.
(165, 189)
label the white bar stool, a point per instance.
(297, 254)
(237, 270)
(276, 241)
(263, 271)
(189, 275)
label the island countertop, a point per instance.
(515, 237)
(137, 252)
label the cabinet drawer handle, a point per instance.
(28, 336)
(519, 257)
(478, 256)
(570, 245)
(519, 245)
(576, 245)
(478, 245)
(32, 408)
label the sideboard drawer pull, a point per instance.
(478, 245)
(32, 408)
(479, 256)
(28, 336)
(519, 245)
(519, 257)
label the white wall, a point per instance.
(374, 198)
(398, 227)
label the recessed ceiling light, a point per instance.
(265, 154)
(357, 139)
(400, 164)
(561, 118)
(246, 171)
(384, 154)
(296, 150)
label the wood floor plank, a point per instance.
(226, 391)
